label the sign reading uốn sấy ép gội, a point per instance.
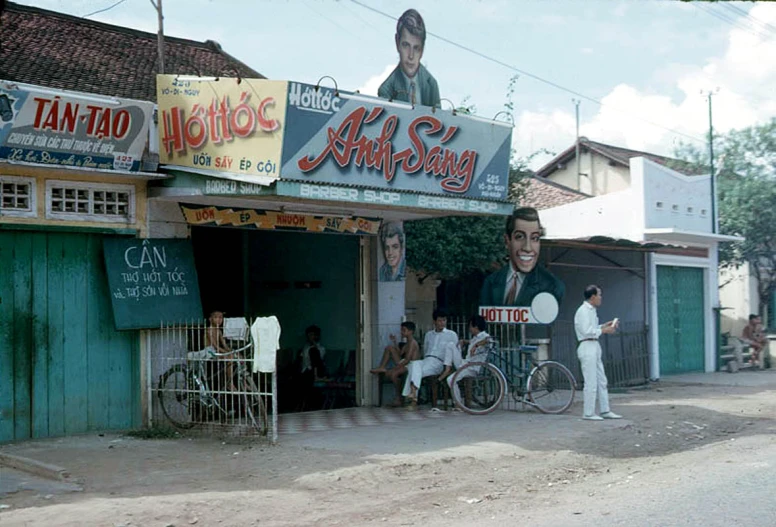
(73, 129)
(277, 220)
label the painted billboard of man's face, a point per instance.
(392, 251)
(410, 50)
(523, 245)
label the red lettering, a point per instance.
(172, 140)
(267, 125)
(347, 145)
(121, 122)
(69, 118)
(50, 122)
(40, 105)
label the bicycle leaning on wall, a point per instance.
(198, 391)
(480, 387)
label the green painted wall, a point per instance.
(681, 339)
(279, 266)
(64, 369)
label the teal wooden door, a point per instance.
(64, 369)
(681, 342)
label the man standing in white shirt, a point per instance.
(589, 354)
(437, 345)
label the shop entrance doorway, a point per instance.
(304, 280)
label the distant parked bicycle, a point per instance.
(188, 396)
(546, 385)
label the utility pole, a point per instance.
(160, 35)
(712, 176)
(579, 173)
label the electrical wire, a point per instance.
(106, 9)
(535, 77)
(752, 19)
(735, 22)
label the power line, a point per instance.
(532, 76)
(106, 9)
(735, 22)
(753, 19)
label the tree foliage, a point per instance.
(746, 190)
(460, 247)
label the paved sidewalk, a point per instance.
(748, 377)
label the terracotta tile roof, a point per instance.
(543, 194)
(617, 155)
(52, 49)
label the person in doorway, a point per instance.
(476, 351)
(410, 82)
(519, 282)
(436, 346)
(401, 354)
(754, 336)
(215, 343)
(392, 243)
(311, 369)
(589, 354)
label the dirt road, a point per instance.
(500, 469)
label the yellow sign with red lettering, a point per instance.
(228, 125)
(276, 220)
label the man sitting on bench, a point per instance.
(401, 355)
(753, 335)
(436, 346)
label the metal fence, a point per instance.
(625, 353)
(193, 387)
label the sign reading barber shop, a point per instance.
(65, 128)
(340, 137)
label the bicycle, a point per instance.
(186, 395)
(546, 385)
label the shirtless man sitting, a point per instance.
(400, 355)
(754, 336)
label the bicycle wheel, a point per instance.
(254, 405)
(478, 388)
(177, 393)
(551, 387)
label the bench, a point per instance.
(735, 355)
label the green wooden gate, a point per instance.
(64, 369)
(681, 327)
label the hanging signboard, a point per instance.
(338, 137)
(231, 126)
(151, 281)
(64, 128)
(279, 221)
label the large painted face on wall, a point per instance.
(410, 48)
(523, 245)
(392, 250)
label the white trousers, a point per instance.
(589, 355)
(418, 369)
(468, 372)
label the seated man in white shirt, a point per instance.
(476, 351)
(437, 344)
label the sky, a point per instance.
(640, 68)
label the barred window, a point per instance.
(84, 201)
(17, 196)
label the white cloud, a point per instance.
(373, 83)
(744, 76)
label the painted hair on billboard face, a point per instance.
(413, 23)
(390, 230)
(525, 214)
